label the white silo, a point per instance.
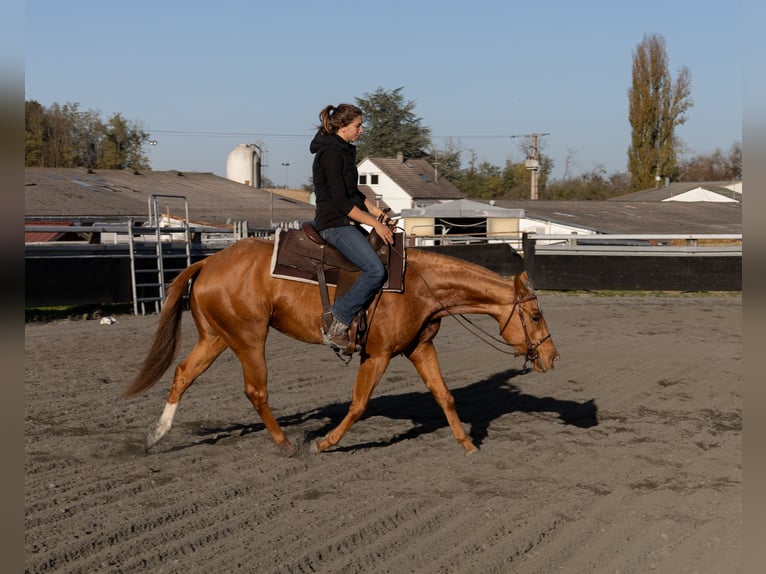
(243, 165)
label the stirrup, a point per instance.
(335, 334)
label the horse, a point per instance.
(234, 300)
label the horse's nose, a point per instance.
(554, 358)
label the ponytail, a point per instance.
(333, 118)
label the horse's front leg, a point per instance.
(427, 364)
(370, 371)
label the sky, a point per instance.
(202, 77)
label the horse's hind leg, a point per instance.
(207, 349)
(427, 364)
(255, 374)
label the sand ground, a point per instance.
(627, 458)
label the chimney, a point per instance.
(400, 156)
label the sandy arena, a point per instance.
(627, 458)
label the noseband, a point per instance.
(531, 348)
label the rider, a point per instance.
(340, 211)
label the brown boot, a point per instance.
(334, 332)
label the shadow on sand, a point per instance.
(478, 404)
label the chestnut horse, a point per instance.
(234, 300)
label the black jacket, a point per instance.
(335, 181)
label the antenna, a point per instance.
(436, 166)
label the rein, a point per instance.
(497, 343)
(530, 355)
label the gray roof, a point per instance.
(119, 194)
(462, 208)
(636, 216)
(57, 193)
(417, 177)
(677, 188)
(370, 195)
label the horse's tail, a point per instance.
(166, 340)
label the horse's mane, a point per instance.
(447, 263)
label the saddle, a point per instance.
(302, 255)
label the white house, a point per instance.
(402, 183)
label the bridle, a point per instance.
(530, 354)
(531, 348)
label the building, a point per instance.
(689, 191)
(77, 195)
(404, 183)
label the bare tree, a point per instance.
(570, 162)
(715, 166)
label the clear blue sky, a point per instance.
(202, 77)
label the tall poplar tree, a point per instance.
(657, 105)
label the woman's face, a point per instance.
(352, 132)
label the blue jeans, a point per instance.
(353, 244)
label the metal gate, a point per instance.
(158, 252)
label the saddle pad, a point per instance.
(295, 257)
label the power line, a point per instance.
(225, 134)
(277, 135)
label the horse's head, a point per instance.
(525, 328)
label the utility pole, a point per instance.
(286, 165)
(532, 163)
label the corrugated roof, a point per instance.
(636, 216)
(679, 188)
(54, 192)
(463, 208)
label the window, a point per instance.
(374, 179)
(362, 179)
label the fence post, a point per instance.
(528, 247)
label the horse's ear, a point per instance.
(521, 284)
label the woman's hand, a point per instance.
(367, 218)
(384, 232)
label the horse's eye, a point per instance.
(537, 316)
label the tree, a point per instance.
(446, 161)
(59, 147)
(391, 126)
(64, 136)
(713, 167)
(34, 128)
(481, 179)
(122, 144)
(657, 105)
(593, 185)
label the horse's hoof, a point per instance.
(286, 449)
(315, 448)
(469, 447)
(151, 440)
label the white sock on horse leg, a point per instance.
(164, 424)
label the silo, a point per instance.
(243, 165)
